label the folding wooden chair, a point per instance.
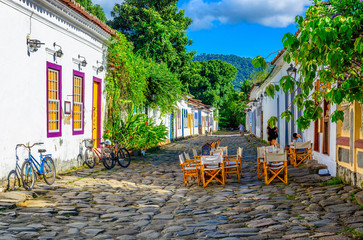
(300, 152)
(190, 169)
(195, 154)
(224, 150)
(239, 157)
(261, 158)
(232, 164)
(212, 167)
(274, 164)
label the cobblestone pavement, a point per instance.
(148, 200)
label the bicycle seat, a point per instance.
(107, 142)
(41, 150)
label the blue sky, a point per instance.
(246, 28)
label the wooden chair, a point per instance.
(212, 167)
(190, 169)
(195, 154)
(274, 164)
(224, 149)
(216, 152)
(299, 152)
(261, 158)
(232, 164)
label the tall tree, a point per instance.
(244, 65)
(94, 9)
(157, 29)
(329, 48)
(213, 83)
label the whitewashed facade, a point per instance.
(322, 133)
(38, 87)
(190, 118)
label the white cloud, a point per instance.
(272, 13)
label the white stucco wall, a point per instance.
(23, 85)
(328, 159)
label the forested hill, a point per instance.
(243, 64)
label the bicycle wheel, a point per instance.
(90, 159)
(123, 157)
(27, 175)
(13, 181)
(49, 171)
(107, 158)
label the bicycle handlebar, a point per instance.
(28, 146)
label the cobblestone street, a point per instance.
(148, 200)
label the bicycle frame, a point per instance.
(38, 166)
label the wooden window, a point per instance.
(78, 102)
(54, 100)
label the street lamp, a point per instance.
(291, 69)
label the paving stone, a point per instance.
(164, 216)
(150, 234)
(148, 200)
(93, 231)
(260, 222)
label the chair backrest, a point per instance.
(181, 158)
(224, 149)
(195, 154)
(216, 152)
(275, 157)
(279, 150)
(211, 160)
(261, 152)
(269, 149)
(302, 145)
(239, 151)
(186, 155)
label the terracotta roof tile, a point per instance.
(81, 10)
(283, 50)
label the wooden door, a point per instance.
(96, 112)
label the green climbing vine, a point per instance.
(134, 82)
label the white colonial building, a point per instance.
(322, 133)
(52, 87)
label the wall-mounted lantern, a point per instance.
(100, 68)
(59, 52)
(33, 44)
(83, 62)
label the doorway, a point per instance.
(96, 111)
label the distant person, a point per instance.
(296, 137)
(272, 134)
(241, 130)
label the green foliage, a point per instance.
(232, 111)
(330, 36)
(157, 30)
(164, 87)
(94, 9)
(335, 181)
(243, 65)
(137, 131)
(290, 197)
(272, 121)
(259, 62)
(132, 80)
(212, 83)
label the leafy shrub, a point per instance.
(137, 131)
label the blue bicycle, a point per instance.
(31, 166)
